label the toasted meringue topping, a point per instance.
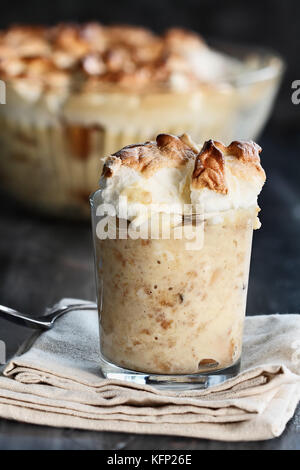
(168, 151)
(210, 163)
(227, 178)
(123, 56)
(173, 171)
(210, 169)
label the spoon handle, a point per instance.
(41, 323)
(23, 320)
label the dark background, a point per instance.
(42, 260)
(271, 23)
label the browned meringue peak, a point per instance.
(168, 151)
(35, 71)
(181, 40)
(24, 41)
(210, 163)
(69, 38)
(130, 35)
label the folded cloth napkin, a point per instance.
(55, 380)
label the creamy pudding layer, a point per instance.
(170, 310)
(166, 307)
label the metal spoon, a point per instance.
(46, 322)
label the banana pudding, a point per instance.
(170, 304)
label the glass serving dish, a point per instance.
(51, 146)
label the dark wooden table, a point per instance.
(43, 260)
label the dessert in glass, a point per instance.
(74, 92)
(172, 225)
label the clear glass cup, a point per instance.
(172, 307)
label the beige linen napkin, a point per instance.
(55, 380)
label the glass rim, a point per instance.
(271, 63)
